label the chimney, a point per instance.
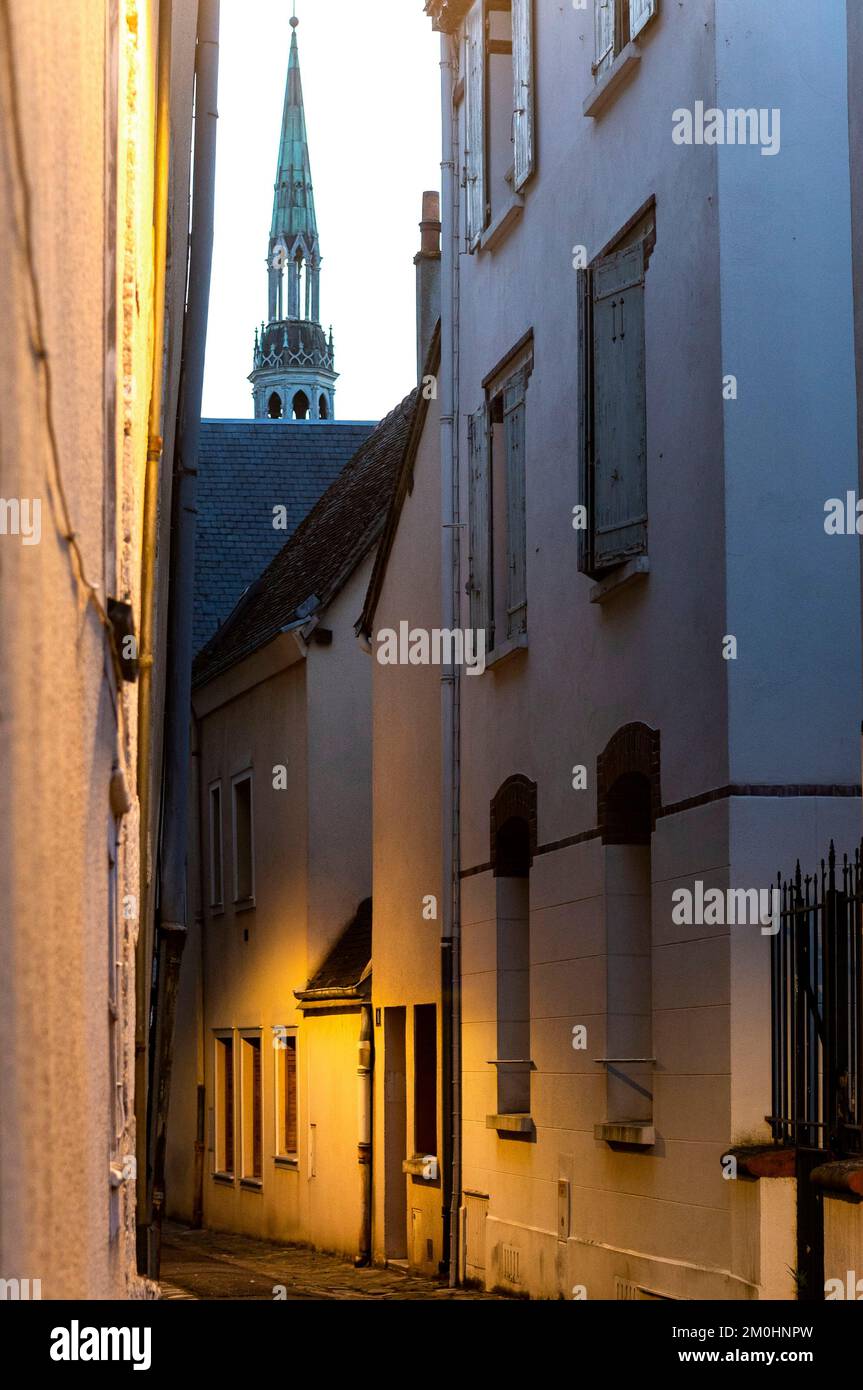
(427, 262)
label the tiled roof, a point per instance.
(324, 550)
(346, 962)
(404, 485)
(245, 469)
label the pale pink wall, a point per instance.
(65, 724)
(312, 869)
(406, 721)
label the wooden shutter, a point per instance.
(604, 21)
(479, 524)
(514, 435)
(257, 1116)
(640, 11)
(475, 118)
(584, 290)
(619, 472)
(228, 1104)
(523, 97)
(290, 1096)
(216, 877)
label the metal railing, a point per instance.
(816, 1002)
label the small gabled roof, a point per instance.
(404, 485)
(324, 550)
(345, 972)
(245, 469)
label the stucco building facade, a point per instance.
(638, 385)
(82, 316)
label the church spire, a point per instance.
(294, 201)
(294, 371)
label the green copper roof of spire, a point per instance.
(294, 201)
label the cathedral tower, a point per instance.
(294, 374)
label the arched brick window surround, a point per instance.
(514, 800)
(634, 749)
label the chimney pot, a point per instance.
(428, 265)
(430, 227)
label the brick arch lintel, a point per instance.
(633, 748)
(515, 799)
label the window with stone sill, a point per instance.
(244, 838)
(497, 576)
(616, 23)
(251, 1106)
(499, 113)
(217, 894)
(224, 1107)
(613, 402)
(285, 1054)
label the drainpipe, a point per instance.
(144, 943)
(172, 926)
(364, 1148)
(450, 689)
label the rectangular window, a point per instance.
(475, 134)
(512, 407)
(224, 1087)
(513, 995)
(480, 593)
(252, 1101)
(616, 22)
(285, 1042)
(497, 576)
(613, 405)
(216, 875)
(244, 839)
(499, 117)
(425, 1079)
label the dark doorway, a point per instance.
(425, 1079)
(395, 1135)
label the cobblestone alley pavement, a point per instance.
(205, 1265)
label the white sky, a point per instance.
(371, 84)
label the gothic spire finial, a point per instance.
(294, 363)
(294, 203)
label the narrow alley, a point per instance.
(204, 1264)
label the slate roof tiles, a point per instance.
(344, 965)
(245, 469)
(323, 551)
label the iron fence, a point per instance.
(816, 1002)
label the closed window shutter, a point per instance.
(604, 20)
(475, 98)
(479, 581)
(619, 474)
(229, 1105)
(514, 434)
(640, 11)
(522, 63)
(257, 1117)
(291, 1096)
(584, 290)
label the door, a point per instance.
(395, 1135)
